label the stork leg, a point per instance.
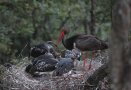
(93, 55)
(84, 59)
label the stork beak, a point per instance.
(60, 38)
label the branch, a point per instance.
(97, 76)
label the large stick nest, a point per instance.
(15, 78)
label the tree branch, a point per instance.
(97, 76)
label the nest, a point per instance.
(15, 78)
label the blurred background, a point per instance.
(24, 23)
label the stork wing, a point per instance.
(89, 43)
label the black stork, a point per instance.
(82, 41)
(43, 48)
(43, 63)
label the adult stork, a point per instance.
(41, 49)
(82, 41)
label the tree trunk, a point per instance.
(46, 34)
(120, 63)
(93, 19)
(85, 23)
(34, 35)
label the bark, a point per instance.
(85, 23)
(120, 63)
(34, 25)
(93, 19)
(34, 35)
(129, 1)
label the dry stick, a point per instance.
(22, 50)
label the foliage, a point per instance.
(28, 22)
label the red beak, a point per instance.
(60, 37)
